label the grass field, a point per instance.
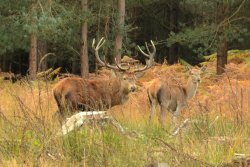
(219, 124)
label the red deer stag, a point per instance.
(173, 98)
(75, 93)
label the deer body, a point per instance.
(97, 93)
(100, 93)
(172, 98)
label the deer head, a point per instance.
(150, 55)
(195, 74)
(125, 74)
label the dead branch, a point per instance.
(178, 129)
(83, 118)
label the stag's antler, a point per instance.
(98, 46)
(149, 57)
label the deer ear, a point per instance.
(188, 68)
(203, 69)
(139, 74)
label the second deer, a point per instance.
(173, 98)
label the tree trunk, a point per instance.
(33, 56)
(120, 28)
(107, 29)
(173, 50)
(84, 45)
(33, 48)
(223, 10)
(221, 56)
(108, 6)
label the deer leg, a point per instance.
(152, 108)
(162, 115)
(71, 103)
(60, 113)
(175, 117)
(59, 103)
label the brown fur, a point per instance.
(99, 92)
(92, 94)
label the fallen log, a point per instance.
(83, 118)
(180, 127)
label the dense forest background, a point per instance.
(181, 29)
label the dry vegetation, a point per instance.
(219, 124)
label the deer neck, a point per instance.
(119, 94)
(191, 88)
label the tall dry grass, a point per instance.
(218, 127)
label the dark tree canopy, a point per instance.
(183, 29)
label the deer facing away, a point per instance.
(173, 98)
(74, 93)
